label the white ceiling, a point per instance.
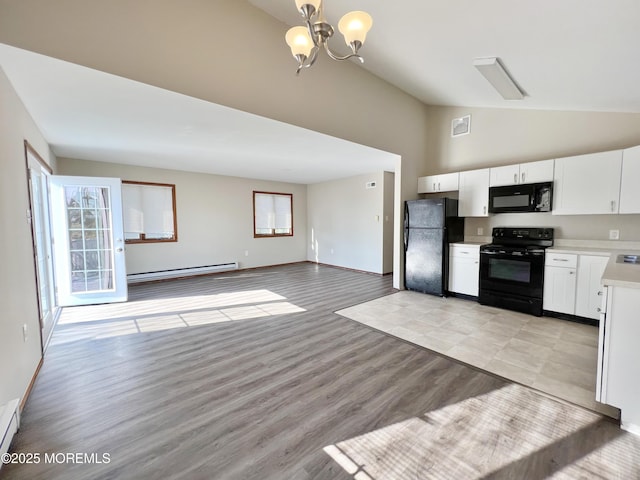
(566, 54)
(92, 115)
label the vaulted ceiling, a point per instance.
(566, 55)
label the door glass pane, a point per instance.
(89, 226)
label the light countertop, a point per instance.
(604, 252)
(468, 244)
(622, 274)
(615, 274)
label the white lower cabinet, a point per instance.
(589, 285)
(619, 357)
(560, 283)
(573, 283)
(464, 269)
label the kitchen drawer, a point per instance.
(566, 260)
(471, 251)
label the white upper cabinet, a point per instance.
(507, 175)
(629, 188)
(587, 184)
(473, 198)
(532, 172)
(445, 182)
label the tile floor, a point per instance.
(554, 356)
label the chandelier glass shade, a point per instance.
(306, 41)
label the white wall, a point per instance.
(18, 296)
(215, 219)
(508, 136)
(346, 222)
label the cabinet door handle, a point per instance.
(434, 186)
(599, 310)
(522, 177)
(613, 205)
(599, 294)
(484, 210)
(515, 178)
(438, 186)
(559, 259)
(572, 273)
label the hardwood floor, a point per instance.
(251, 375)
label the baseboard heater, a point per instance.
(180, 272)
(9, 425)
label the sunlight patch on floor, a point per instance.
(90, 313)
(114, 320)
(501, 428)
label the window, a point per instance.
(149, 211)
(272, 214)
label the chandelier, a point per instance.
(306, 41)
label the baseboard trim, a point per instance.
(571, 318)
(347, 268)
(33, 381)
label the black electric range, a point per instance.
(512, 268)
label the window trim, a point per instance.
(271, 235)
(175, 216)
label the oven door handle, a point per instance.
(491, 253)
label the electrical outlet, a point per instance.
(24, 332)
(614, 234)
(246, 253)
(480, 231)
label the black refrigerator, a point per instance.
(429, 226)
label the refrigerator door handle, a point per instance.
(406, 227)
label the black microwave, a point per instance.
(531, 197)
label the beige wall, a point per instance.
(17, 282)
(507, 136)
(389, 199)
(230, 53)
(346, 222)
(215, 219)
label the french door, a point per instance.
(86, 214)
(39, 173)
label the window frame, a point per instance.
(272, 235)
(142, 238)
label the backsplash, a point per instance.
(567, 227)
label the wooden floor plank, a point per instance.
(261, 397)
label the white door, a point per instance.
(40, 228)
(86, 214)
